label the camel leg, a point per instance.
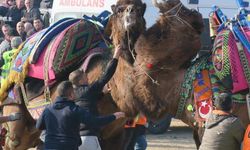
(196, 138)
(119, 142)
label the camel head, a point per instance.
(127, 24)
(174, 8)
(164, 52)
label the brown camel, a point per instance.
(152, 84)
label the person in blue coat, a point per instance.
(62, 119)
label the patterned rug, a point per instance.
(238, 77)
(77, 41)
(51, 32)
(226, 61)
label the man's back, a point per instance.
(62, 124)
(222, 132)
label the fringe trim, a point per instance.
(13, 77)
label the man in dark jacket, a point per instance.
(15, 13)
(223, 130)
(62, 119)
(88, 96)
(31, 12)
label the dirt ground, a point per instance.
(178, 137)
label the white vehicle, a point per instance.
(78, 8)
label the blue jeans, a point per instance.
(141, 142)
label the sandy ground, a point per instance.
(178, 137)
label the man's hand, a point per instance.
(106, 89)
(119, 115)
(117, 52)
(23, 19)
(15, 116)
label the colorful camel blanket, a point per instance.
(238, 77)
(50, 33)
(37, 70)
(76, 43)
(23, 55)
(227, 63)
(202, 95)
(67, 50)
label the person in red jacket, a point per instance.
(137, 131)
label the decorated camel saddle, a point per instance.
(47, 56)
(225, 69)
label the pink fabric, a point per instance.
(238, 77)
(36, 70)
(91, 54)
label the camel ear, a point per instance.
(143, 9)
(113, 8)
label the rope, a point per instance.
(177, 15)
(107, 43)
(46, 72)
(24, 94)
(179, 4)
(133, 56)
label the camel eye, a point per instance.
(120, 9)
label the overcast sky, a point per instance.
(229, 7)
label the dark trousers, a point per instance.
(135, 134)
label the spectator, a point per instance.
(20, 30)
(5, 44)
(5, 6)
(15, 13)
(29, 29)
(222, 130)
(8, 56)
(38, 24)
(7, 31)
(15, 42)
(37, 3)
(46, 4)
(30, 33)
(62, 119)
(30, 13)
(28, 26)
(87, 97)
(136, 129)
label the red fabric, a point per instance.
(202, 95)
(246, 140)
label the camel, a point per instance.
(162, 55)
(149, 73)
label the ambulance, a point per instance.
(78, 8)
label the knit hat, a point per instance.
(223, 102)
(16, 41)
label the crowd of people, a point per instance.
(20, 18)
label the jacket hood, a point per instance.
(61, 102)
(215, 119)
